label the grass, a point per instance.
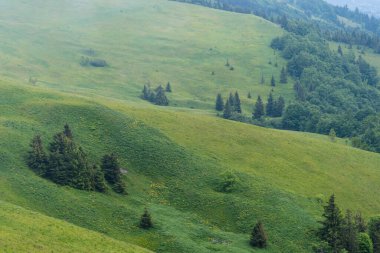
(175, 155)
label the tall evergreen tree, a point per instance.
(112, 173)
(219, 104)
(374, 233)
(67, 131)
(98, 181)
(168, 87)
(283, 76)
(273, 81)
(146, 220)
(279, 107)
(161, 98)
(145, 93)
(331, 229)
(231, 99)
(37, 159)
(258, 237)
(249, 96)
(237, 103)
(259, 109)
(227, 113)
(349, 233)
(262, 81)
(270, 109)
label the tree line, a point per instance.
(66, 163)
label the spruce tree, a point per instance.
(227, 113)
(146, 220)
(231, 99)
(160, 98)
(365, 244)
(98, 183)
(374, 233)
(279, 107)
(145, 93)
(112, 173)
(237, 103)
(331, 229)
(273, 81)
(270, 110)
(349, 233)
(168, 87)
(258, 237)
(219, 104)
(259, 109)
(67, 131)
(283, 76)
(37, 159)
(249, 96)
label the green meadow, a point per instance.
(176, 156)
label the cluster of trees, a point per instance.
(232, 108)
(156, 96)
(334, 90)
(66, 163)
(348, 233)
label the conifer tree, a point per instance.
(112, 173)
(262, 81)
(67, 131)
(99, 183)
(237, 103)
(270, 109)
(146, 220)
(161, 98)
(227, 113)
(283, 76)
(331, 229)
(258, 237)
(231, 99)
(259, 109)
(146, 93)
(374, 233)
(349, 233)
(37, 159)
(219, 104)
(279, 107)
(168, 87)
(273, 81)
(249, 96)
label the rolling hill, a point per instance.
(176, 156)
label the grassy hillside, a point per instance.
(143, 42)
(27, 231)
(176, 156)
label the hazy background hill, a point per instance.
(369, 6)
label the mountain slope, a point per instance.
(26, 231)
(176, 157)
